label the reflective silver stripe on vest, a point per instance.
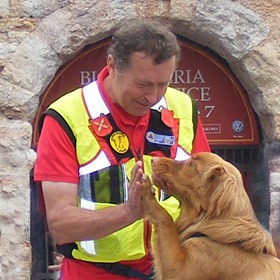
(95, 106)
(181, 154)
(88, 245)
(86, 203)
(94, 101)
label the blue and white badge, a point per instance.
(166, 140)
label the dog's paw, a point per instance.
(151, 208)
(147, 190)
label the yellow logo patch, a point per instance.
(119, 142)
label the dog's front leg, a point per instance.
(168, 254)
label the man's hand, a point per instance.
(133, 204)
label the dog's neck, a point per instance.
(190, 214)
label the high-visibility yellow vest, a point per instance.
(105, 165)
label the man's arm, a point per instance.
(69, 223)
(57, 168)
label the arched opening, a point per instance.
(229, 121)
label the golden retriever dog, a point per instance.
(216, 235)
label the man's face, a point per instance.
(140, 86)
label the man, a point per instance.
(95, 144)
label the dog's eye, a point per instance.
(190, 163)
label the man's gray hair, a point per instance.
(143, 35)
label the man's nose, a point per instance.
(154, 93)
(151, 97)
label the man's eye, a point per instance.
(151, 85)
(141, 85)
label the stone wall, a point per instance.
(38, 36)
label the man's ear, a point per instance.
(111, 65)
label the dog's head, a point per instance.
(204, 180)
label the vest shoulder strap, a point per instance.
(183, 106)
(61, 121)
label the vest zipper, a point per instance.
(137, 154)
(148, 237)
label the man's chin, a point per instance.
(138, 113)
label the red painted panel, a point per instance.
(225, 110)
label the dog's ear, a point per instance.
(225, 194)
(215, 171)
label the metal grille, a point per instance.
(251, 163)
(243, 158)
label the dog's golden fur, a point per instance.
(217, 235)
